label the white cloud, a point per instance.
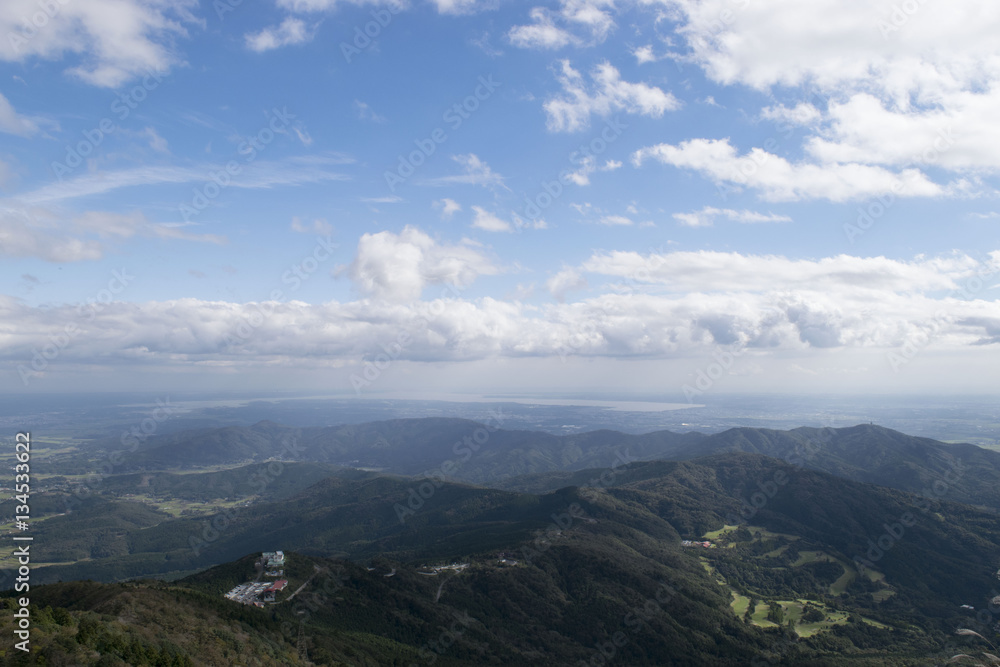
(311, 6)
(45, 235)
(895, 81)
(567, 280)
(397, 267)
(448, 207)
(388, 199)
(115, 40)
(608, 94)
(707, 215)
(260, 174)
(156, 142)
(616, 221)
(13, 123)
(708, 271)
(462, 7)
(644, 54)
(554, 30)
(588, 165)
(542, 34)
(777, 179)
(581, 177)
(365, 112)
(843, 304)
(962, 137)
(288, 32)
(488, 221)
(476, 171)
(802, 113)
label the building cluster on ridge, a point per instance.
(258, 592)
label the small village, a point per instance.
(434, 570)
(257, 593)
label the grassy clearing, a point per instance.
(716, 534)
(739, 604)
(176, 507)
(812, 557)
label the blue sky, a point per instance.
(579, 195)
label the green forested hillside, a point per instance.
(488, 454)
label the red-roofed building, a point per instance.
(274, 588)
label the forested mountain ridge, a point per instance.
(485, 453)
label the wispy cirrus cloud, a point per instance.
(260, 174)
(474, 172)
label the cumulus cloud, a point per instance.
(542, 33)
(115, 42)
(844, 303)
(397, 267)
(606, 94)
(288, 32)
(777, 179)
(708, 271)
(554, 29)
(489, 222)
(567, 280)
(902, 87)
(448, 207)
(644, 54)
